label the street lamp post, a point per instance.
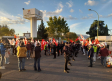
(98, 21)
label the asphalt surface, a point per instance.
(53, 70)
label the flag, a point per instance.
(90, 41)
(25, 41)
(71, 41)
(77, 39)
(86, 42)
(82, 37)
(54, 41)
(17, 41)
(10, 41)
(43, 44)
(32, 40)
(96, 41)
(14, 36)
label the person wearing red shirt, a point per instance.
(104, 53)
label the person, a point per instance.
(21, 54)
(95, 51)
(2, 49)
(45, 48)
(28, 46)
(49, 48)
(54, 50)
(91, 53)
(13, 45)
(32, 47)
(61, 47)
(66, 56)
(104, 53)
(58, 48)
(37, 57)
(7, 53)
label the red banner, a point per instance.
(54, 41)
(96, 41)
(42, 44)
(71, 41)
(77, 39)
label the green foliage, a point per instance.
(5, 31)
(57, 26)
(42, 32)
(71, 35)
(103, 30)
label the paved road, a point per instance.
(52, 70)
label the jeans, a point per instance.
(21, 62)
(84, 51)
(28, 53)
(103, 61)
(2, 58)
(37, 61)
(91, 61)
(6, 60)
(87, 53)
(49, 50)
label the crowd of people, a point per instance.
(25, 49)
(94, 51)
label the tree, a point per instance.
(57, 26)
(71, 35)
(6, 31)
(42, 32)
(102, 31)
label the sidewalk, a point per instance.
(52, 70)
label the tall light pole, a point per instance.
(98, 21)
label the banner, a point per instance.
(71, 41)
(77, 39)
(82, 37)
(54, 41)
(43, 44)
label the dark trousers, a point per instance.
(13, 48)
(15, 51)
(35, 62)
(58, 52)
(103, 60)
(82, 50)
(91, 61)
(76, 53)
(45, 52)
(61, 51)
(66, 61)
(54, 55)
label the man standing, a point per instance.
(45, 48)
(66, 56)
(21, 54)
(13, 45)
(28, 46)
(54, 50)
(2, 49)
(91, 52)
(104, 53)
(37, 57)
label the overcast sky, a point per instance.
(75, 12)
